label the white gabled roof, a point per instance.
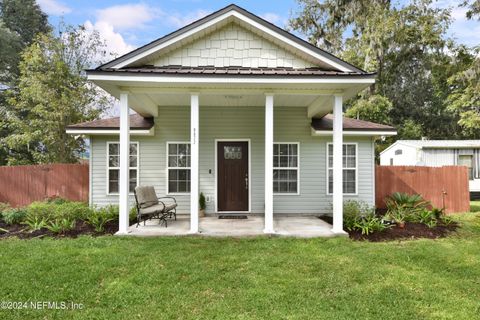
(437, 144)
(220, 18)
(442, 143)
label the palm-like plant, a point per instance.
(404, 206)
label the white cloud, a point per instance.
(180, 20)
(463, 30)
(117, 24)
(54, 7)
(271, 17)
(116, 45)
(127, 16)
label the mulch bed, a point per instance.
(81, 228)
(411, 230)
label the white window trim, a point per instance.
(356, 168)
(168, 193)
(107, 186)
(290, 168)
(472, 159)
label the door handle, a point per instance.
(246, 182)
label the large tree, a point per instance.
(20, 22)
(52, 93)
(464, 97)
(405, 44)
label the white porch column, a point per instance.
(268, 164)
(337, 165)
(194, 141)
(124, 164)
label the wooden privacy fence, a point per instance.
(440, 185)
(21, 185)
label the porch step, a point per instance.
(232, 216)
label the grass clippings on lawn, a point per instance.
(255, 278)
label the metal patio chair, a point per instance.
(149, 206)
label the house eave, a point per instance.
(356, 133)
(109, 132)
(95, 75)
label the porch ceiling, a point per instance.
(146, 96)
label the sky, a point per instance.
(128, 24)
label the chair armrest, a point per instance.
(174, 200)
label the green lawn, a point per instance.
(256, 278)
(475, 206)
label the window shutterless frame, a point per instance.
(167, 168)
(137, 168)
(356, 167)
(297, 168)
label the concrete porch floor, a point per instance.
(301, 227)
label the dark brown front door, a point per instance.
(232, 179)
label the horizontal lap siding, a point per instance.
(175, 126)
(291, 125)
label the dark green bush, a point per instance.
(14, 216)
(201, 201)
(427, 217)
(56, 200)
(50, 211)
(61, 225)
(360, 216)
(403, 207)
(54, 213)
(98, 218)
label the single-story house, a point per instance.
(240, 110)
(436, 153)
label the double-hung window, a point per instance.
(178, 167)
(467, 160)
(114, 167)
(349, 168)
(285, 168)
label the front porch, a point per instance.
(287, 226)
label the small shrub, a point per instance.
(38, 211)
(98, 218)
(428, 218)
(112, 211)
(201, 201)
(14, 216)
(360, 216)
(411, 204)
(132, 215)
(438, 213)
(35, 223)
(398, 214)
(403, 207)
(61, 225)
(56, 200)
(351, 212)
(58, 209)
(72, 210)
(447, 220)
(370, 224)
(3, 207)
(431, 223)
